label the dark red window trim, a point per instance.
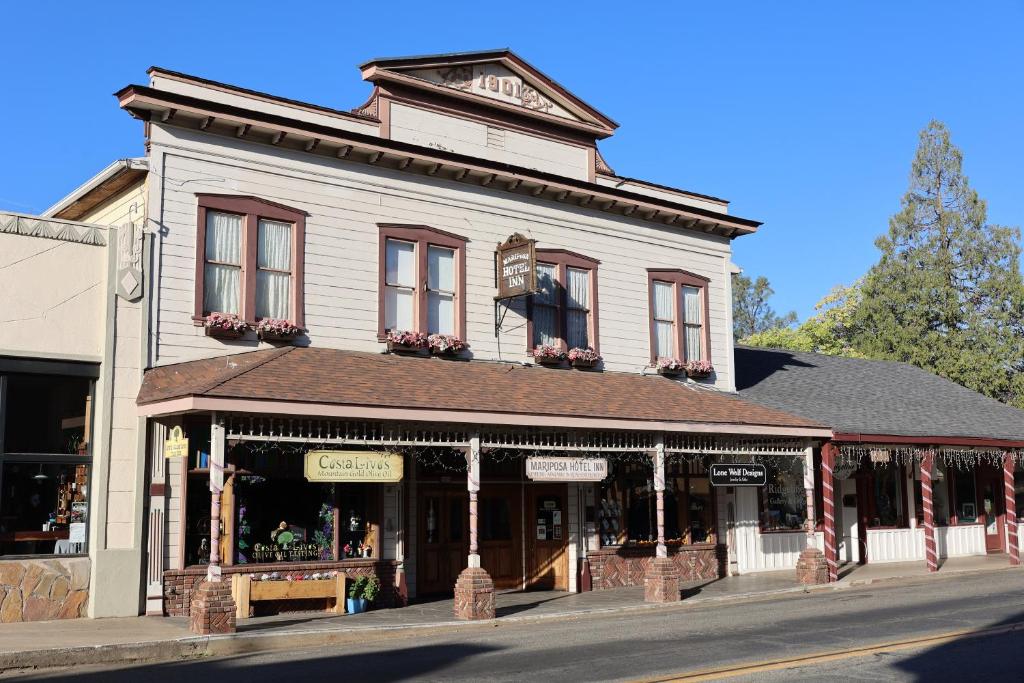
(678, 278)
(564, 259)
(423, 236)
(252, 209)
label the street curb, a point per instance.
(194, 647)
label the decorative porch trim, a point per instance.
(52, 229)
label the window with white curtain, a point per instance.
(693, 323)
(664, 320)
(440, 290)
(577, 305)
(273, 269)
(400, 285)
(545, 306)
(222, 275)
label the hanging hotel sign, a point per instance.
(728, 474)
(515, 264)
(353, 466)
(177, 445)
(542, 468)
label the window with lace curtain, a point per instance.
(249, 259)
(563, 311)
(678, 313)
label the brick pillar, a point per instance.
(474, 589)
(828, 464)
(661, 581)
(931, 555)
(812, 567)
(212, 609)
(1011, 509)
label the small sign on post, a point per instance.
(176, 446)
(515, 262)
(726, 474)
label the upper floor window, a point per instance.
(678, 312)
(563, 312)
(249, 259)
(423, 281)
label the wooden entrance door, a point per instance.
(443, 535)
(500, 529)
(990, 490)
(547, 519)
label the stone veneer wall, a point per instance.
(180, 583)
(42, 589)
(626, 565)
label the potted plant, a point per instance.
(270, 329)
(364, 590)
(584, 358)
(699, 369)
(549, 355)
(445, 344)
(671, 367)
(407, 342)
(225, 326)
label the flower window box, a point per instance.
(408, 343)
(447, 345)
(549, 355)
(224, 326)
(584, 358)
(671, 367)
(271, 330)
(699, 369)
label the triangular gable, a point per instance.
(497, 77)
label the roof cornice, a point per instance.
(164, 107)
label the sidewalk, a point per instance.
(148, 639)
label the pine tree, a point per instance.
(947, 294)
(751, 312)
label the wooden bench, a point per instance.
(245, 591)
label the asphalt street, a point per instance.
(664, 643)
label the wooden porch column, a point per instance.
(474, 589)
(931, 556)
(828, 464)
(811, 568)
(1011, 508)
(212, 609)
(661, 582)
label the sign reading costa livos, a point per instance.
(176, 445)
(725, 474)
(353, 466)
(542, 468)
(515, 263)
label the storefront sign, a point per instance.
(724, 474)
(177, 445)
(516, 264)
(353, 466)
(566, 469)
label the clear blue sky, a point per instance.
(804, 114)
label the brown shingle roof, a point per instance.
(331, 376)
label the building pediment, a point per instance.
(499, 79)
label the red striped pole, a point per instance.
(931, 555)
(828, 463)
(1011, 508)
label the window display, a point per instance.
(784, 497)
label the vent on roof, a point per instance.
(495, 137)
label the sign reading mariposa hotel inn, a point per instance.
(516, 265)
(566, 469)
(353, 466)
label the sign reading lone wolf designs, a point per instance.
(566, 469)
(723, 474)
(353, 466)
(516, 264)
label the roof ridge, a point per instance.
(239, 370)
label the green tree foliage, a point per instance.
(830, 330)
(947, 294)
(751, 312)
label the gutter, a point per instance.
(112, 171)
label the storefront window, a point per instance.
(886, 497)
(940, 496)
(44, 464)
(965, 496)
(785, 499)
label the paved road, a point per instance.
(660, 643)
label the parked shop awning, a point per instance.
(335, 383)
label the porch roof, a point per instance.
(871, 400)
(318, 381)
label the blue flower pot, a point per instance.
(356, 605)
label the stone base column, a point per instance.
(661, 582)
(474, 595)
(212, 609)
(812, 568)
